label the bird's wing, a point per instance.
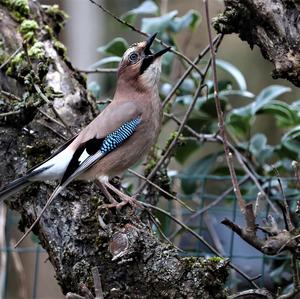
(104, 134)
(90, 152)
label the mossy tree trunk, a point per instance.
(129, 257)
(272, 25)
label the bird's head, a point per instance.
(140, 66)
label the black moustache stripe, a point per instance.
(146, 63)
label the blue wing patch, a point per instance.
(104, 146)
(116, 138)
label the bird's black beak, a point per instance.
(149, 56)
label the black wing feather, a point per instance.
(91, 147)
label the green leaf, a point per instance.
(106, 60)
(257, 143)
(116, 47)
(146, 8)
(291, 140)
(167, 63)
(209, 106)
(190, 20)
(259, 148)
(239, 121)
(267, 95)
(185, 151)
(201, 167)
(157, 24)
(234, 72)
(238, 93)
(284, 113)
(187, 86)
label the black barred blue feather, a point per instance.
(114, 139)
(83, 158)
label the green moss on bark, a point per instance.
(57, 15)
(28, 30)
(19, 8)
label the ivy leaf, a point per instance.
(285, 115)
(186, 150)
(146, 8)
(239, 121)
(190, 20)
(167, 62)
(266, 95)
(157, 24)
(234, 72)
(291, 140)
(259, 148)
(257, 143)
(116, 47)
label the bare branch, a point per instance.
(223, 134)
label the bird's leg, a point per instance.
(125, 198)
(105, 192)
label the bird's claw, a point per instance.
(125, 201)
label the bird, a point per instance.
(115, 140)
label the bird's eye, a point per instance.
(133, 57)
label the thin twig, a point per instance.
(10, 58)
(10, 95)
(43, 96)
(290, 225)
(4, 114)
(161, 190)
(223, 134)
(161, 231)
(53, 130)
(99, 71)
(200, 238)
(97, 283)
(51, 118)
(145, 34)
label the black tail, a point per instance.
(18, 184)
(14, 187)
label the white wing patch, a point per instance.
(58, 165)
(83, 156)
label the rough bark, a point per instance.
(130, 259)
(272, 25)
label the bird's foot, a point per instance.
(126, 200)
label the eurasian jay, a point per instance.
(117, 138)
